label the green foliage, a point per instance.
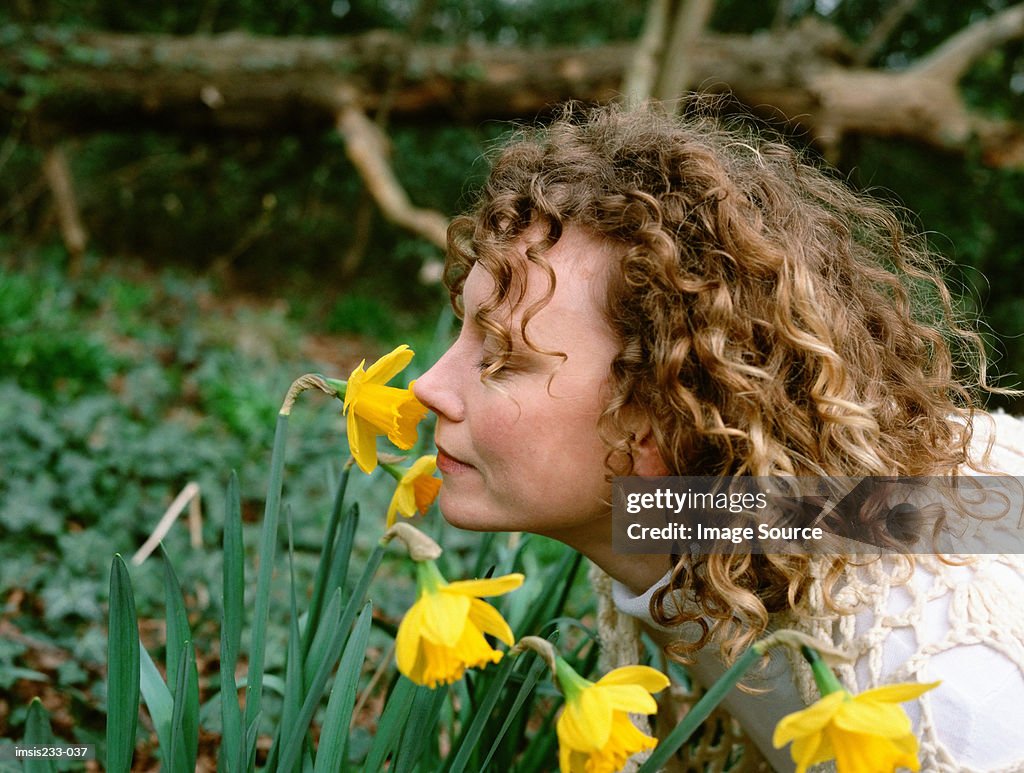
(485, 718)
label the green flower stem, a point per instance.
(569, 682)
(392, 470)
(339, 387)
(824, 676)
(701, 710)
(429, 577)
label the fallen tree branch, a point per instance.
(367, 149)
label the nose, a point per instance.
(439, 388)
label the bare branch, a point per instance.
(677, 63)
(952, 59)
(58, 177)
(883, 31)
(638, 83)
(367, 149)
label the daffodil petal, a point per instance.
(408, 639)
(863, 752)
(355, 381)
(362, 442)
(629, 697)
(810, 750)
(809, 720)
(424, 466)
(494, 586)
(897, 693)
(586, 722)
(392, 511)
(489, 620)
(872, 717)
(444, 617)
(390, 365)
(649, 678)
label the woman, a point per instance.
(646, 295)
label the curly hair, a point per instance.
(772, 321)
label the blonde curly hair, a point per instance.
(772, 321)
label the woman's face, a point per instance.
(521, 451)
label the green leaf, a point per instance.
(392, 721)
(468, 740)
(179, 751)
(323, 672)
(322, 640)
(179, 639)
(330, 756)
(122, 670)
(268, 548)
(158, 700)
(38, 733)
(420, 727)
(293, 686)
(342, 550)
(681, 733)
(232, 745)
(234, 573)
(537, 668)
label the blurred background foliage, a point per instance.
(221, 267)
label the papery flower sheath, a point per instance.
(375, 409)
(443, 633)
(416, 489)
(595, 733)
(865, 733)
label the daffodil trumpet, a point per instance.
(415, 490)
(372, 408)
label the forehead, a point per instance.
(580, 263)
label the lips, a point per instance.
(450, 465)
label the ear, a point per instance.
(647, 459)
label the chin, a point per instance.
(468, 518)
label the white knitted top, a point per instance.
(963, 625)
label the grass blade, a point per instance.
(330, 755)
(122, 670)
(268, 548)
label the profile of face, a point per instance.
(520, 450)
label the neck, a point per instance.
(638, 572)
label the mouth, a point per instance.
(450, 465)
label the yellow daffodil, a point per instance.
(375, 409)
(865, 733)
(443, 633)
(416, 490)
(595, 733)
